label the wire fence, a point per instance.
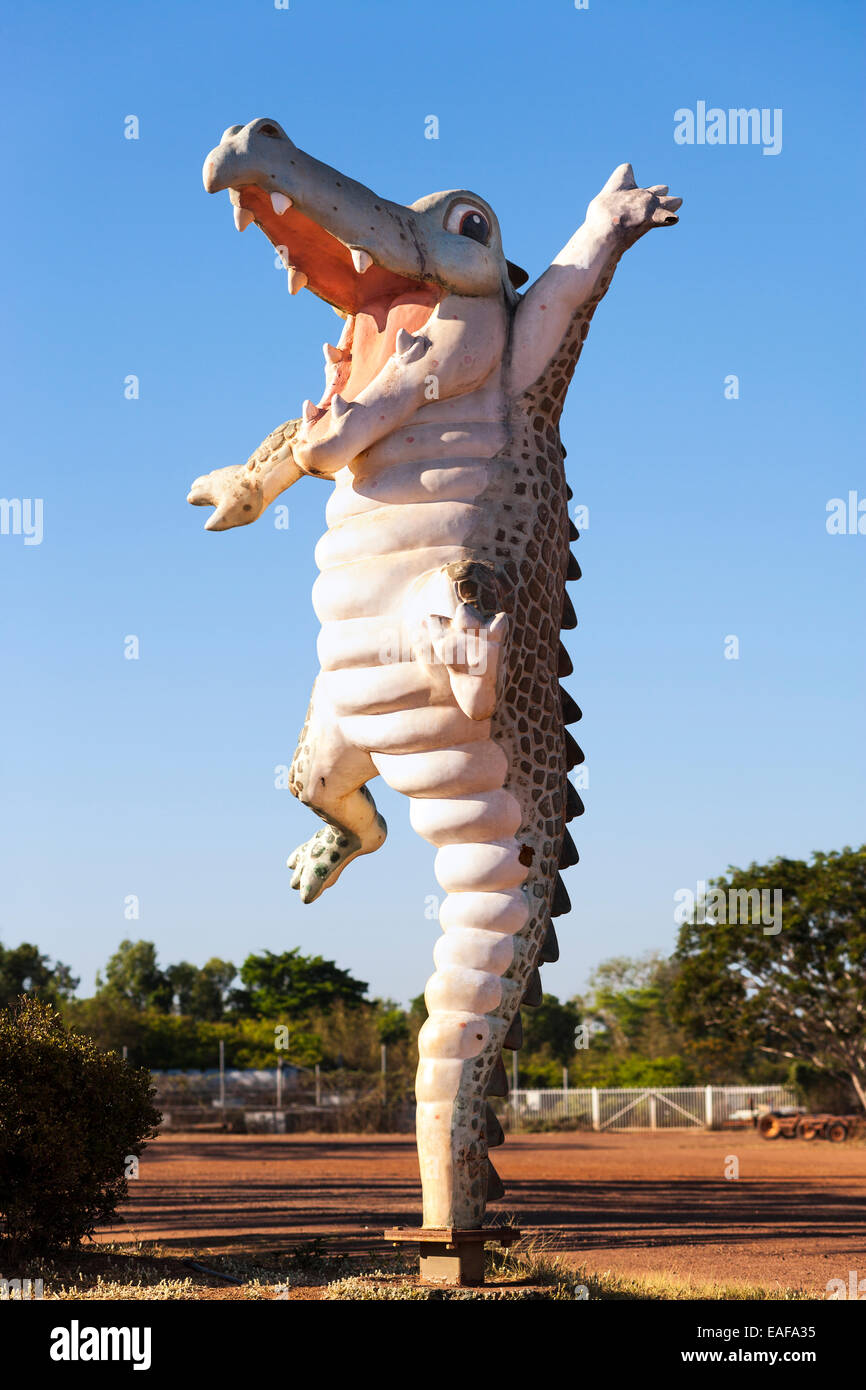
(290, 1099)
(285, 1100)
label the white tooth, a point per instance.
(243, 218)
(339, 312)
(339, 407)
(280, 202)
(416, 349)
(297, 279)
(404, 341)
(361, 260)
(309, 411)
(333, 355)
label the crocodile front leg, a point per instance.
(241, 492)
(462, 628)
(455, 352)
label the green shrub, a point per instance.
(71, 1117)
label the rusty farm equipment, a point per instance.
(800, 1125)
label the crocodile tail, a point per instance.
(472, 997)
(572, 807)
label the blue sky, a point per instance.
(155, 777)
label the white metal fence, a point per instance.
(661, 1107)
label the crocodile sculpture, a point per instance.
(441, 591)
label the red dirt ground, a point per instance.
(631, 1203)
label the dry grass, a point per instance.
(531, 1271)
(145, 1270)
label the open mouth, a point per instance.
(377, 304)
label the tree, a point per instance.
(290, 984)
(202, 993)
(132, 973)
(798, 992)
(391, 1023)
(631, 1000)
(24, 970)
(181, 979)
(548, 1031)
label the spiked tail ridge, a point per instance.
(548, 950)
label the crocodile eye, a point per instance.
(475, 225)
(469, 221)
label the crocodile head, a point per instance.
(383, 266)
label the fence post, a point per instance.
(652, 1108)
(279, 1083)
(318, 1087)
(223, 1078)
(514, 1099)
(708, 1107)
(596, 1109)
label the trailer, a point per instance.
(793, 1124)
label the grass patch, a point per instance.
(145, 1271)
(534, 1274)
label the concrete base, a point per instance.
(450, 1256)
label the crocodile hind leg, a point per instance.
(329, 775)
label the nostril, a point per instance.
(232, 130)
(271, 130)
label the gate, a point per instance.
(641, 1107)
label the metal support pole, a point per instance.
(223, 1078)
(318, 1087)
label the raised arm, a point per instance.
(241, 492)
(577, 280)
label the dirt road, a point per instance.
(632, 1203)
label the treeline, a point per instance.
(301, 1009)
(307, 1010)
(737, 1001)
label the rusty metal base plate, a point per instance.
(452, 1256)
